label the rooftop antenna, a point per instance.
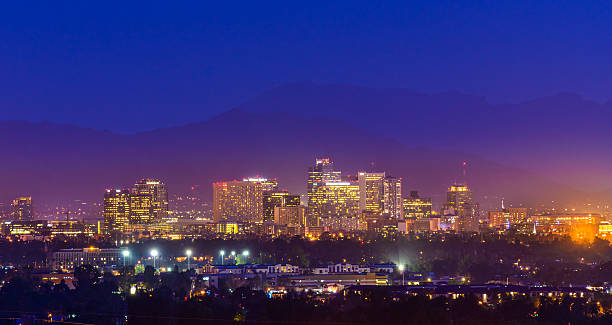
(464, 170)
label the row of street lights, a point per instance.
(245, 253)
(155, 253)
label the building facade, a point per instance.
(23, 209)
(158, 197)
(98, 257)
(371, 192)
(318, 175)
(238, 201)
(459, 202)
(416, 207)
(116, 210)
(336, 199)
(392, 197)
(272, 200)
(508, 217)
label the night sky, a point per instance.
(130, 67)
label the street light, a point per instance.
(188, 252)
(222, 253)
(245, 254)
(154, 253)
(401, 269)
(125, 254)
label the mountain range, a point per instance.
(513, 151)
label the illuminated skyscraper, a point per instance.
(116, 210)
(459, 201)
(275, 199)
(319, 174)
(267, 185)
(380, 194)
(23, 208)
(336, 199)
(159, 197)
(417, 207)
(141, 209)
(371, 192)
(392, 197)
(459, 198)
(238, 201)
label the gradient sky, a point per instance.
(127, 66)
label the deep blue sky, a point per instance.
(129, 67)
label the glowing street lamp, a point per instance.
(222, 253)
(245, 253)
(154, 253)
(401, 269)
(125, 254)
(188, 253)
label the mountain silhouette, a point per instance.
(60, 163)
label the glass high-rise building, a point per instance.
(318, 175)
(23, 208)
(371, 193)
(380, 194)
(116, 210)
(392, 197)
(459, 201)
(158, 197)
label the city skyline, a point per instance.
(336, 162)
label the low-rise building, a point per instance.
(68, 259)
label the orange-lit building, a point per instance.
(566, 224)
(508, 217)
(238, 201)
(336, 199)
(294, 216)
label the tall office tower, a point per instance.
(459, 199)
(142, 209)
(267, 185)
(238, 201)
(371, 193)
(275, 199)
(392, 197)
(319, 174)
(116, 210)
(159, 196)
(417, 207)
(23, 208)
(337, 199)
